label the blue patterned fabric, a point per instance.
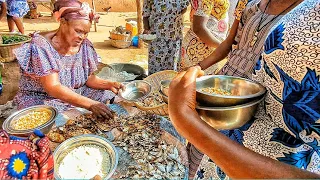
(39, 58)
(17, 8)
(286, 126)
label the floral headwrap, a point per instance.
(74, 9)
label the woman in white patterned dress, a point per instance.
(282, 139)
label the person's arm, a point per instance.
(222, 50)
(95, 82)
(146, 25)
(235, 160)
(54, 88)
(3, 10)
(199, 27)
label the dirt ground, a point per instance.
(99, 39)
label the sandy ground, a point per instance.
(99, 39)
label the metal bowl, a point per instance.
(135, 91)
(130, 68)
(88, 139)
(44, 128)
(242, 90)
(226, 118)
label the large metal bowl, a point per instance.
(135, 91)
(242, 90)
(88, 139)
(130, 68)
(226, 118)
(44, 128)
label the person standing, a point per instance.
(209, 27)
(16, 10)
(164, 19)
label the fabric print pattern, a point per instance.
(165, 20)
(25, 158)
(286, 125)
(239, 9)
(193, 49)
(39, 58)
(243, 56)
(17, 8)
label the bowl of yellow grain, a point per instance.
(23, 122)
(226, 91)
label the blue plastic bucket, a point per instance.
(135, 41)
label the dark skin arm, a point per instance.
(200, 29)
(235, 160)
(54, 88)
(222, 50)
(3, 10)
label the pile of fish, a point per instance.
(141, 137)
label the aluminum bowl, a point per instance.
(242, 90)
(226, 118)
(135, 91)
(44, 128)
(130, 68)
(87, 139)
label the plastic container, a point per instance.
(132, 27)
(135, 41)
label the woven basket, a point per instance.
(120, 43)
(123, 37)
(6, 50)
(154, 81)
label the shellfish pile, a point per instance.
(141, 137)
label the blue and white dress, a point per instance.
(287, 125)
(17, 8)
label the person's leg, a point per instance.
(19, 24)
(10, 23)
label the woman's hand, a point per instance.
(101, 110)
(182, 91)
(114, 87)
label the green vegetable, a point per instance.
(13, 39)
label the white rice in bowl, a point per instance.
(84, 162)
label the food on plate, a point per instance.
(31, 120)
(212, 90)
(55, 137)
(84, 162)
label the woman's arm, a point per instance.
(3, 10)
(54, 88)
(235, 160)
(95, 82)
(223, 49)
(199, 27)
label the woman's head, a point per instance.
(75, 20)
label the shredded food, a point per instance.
(212, 90)
(31, 120)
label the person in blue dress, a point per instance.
(16, 10)
(282, 140)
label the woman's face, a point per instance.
(75, 31)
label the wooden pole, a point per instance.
(140, 20)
